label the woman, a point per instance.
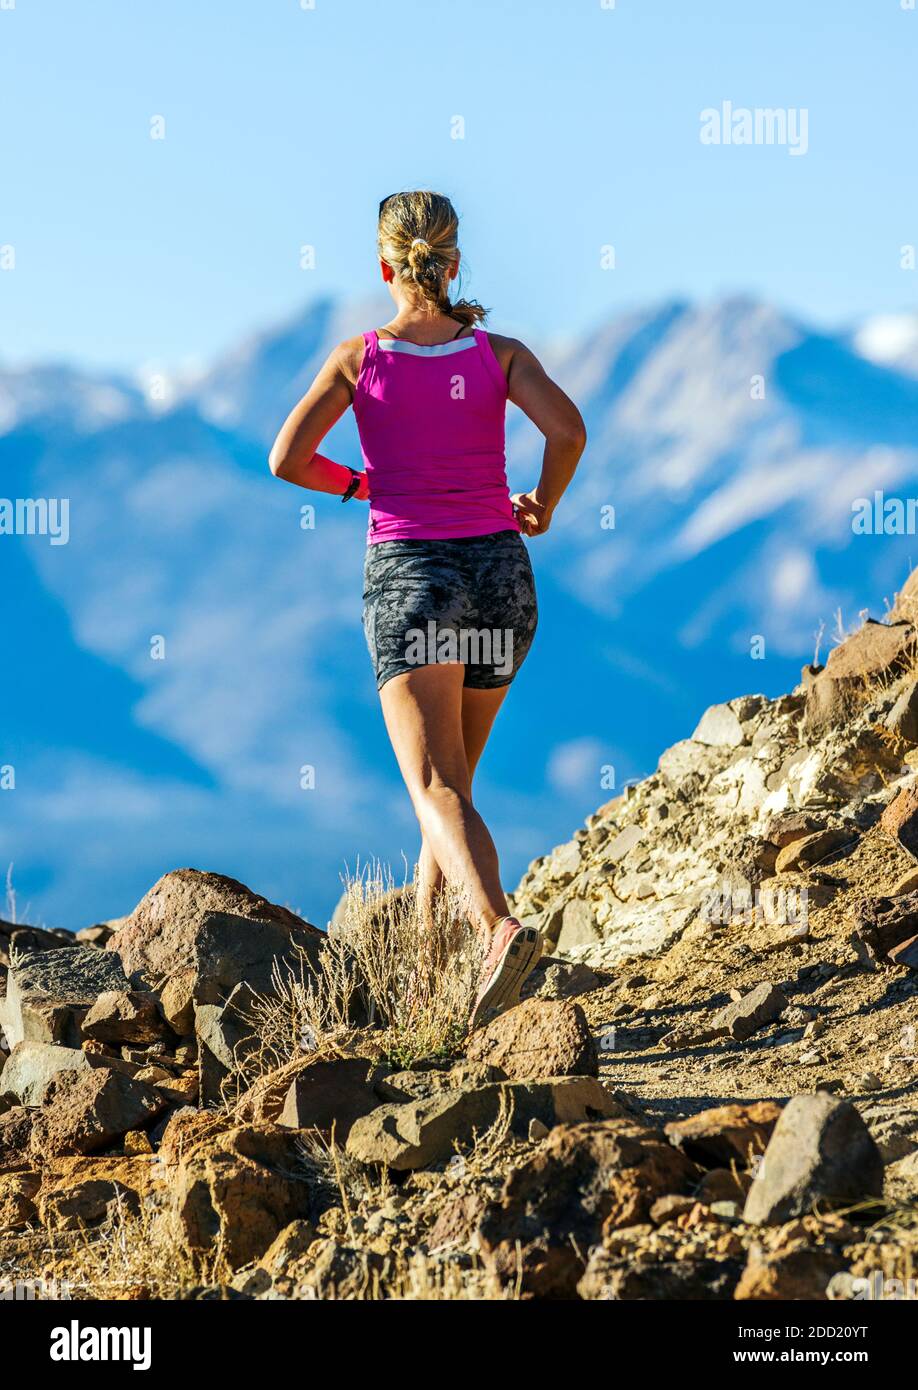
(449, 596)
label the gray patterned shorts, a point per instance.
(470, 600)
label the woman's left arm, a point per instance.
(293, 455)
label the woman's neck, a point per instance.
(422, 325)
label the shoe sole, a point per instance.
(520, 956)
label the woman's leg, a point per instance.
(428, 719)
(479, 710)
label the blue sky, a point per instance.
(285, 125)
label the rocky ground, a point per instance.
(709, 1091)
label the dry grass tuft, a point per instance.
(133, 1255)
(408, 974)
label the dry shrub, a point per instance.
(133, 1254)
(409, 974)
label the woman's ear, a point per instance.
(454, 268)
(388, 274)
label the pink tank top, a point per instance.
(431, 425)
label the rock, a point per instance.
(83, 1112)
(168, 945)
(611, 1278)
(20, 937)
(799, 1271)
(32, 1065)
(760, 1006)
(905, 608)
(670, 1208)
(906, 953)
(17, 1206)
(583, 1182)
(879, 925)
(577, 925)
(265, 1099)
(876, 651)
(537, 1131)
(237, 1190)
(900, 819)
(225, 1038)
(723, 1185)
(292, 1244)
(906, 883)
(719, 728)
(788, 826)
(99, 933)
(418, 1134)
(538, 1038)
(137, 1141)
(421, 1085)
(344, 1272)
(85, 1192)
(820, 1153)
(125, 1016)
(893, 1129)
(560, 979)
(814, 849)
(727, 1134)
(15, 1132)
(903, 717)
(330, 1095)
(49, 992)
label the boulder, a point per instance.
(540, 1037)
(32, 1065)
(77, 1193)
(171, 937)
(553, 978)
(330, 1095)
(726, 1134)
(747, 1015)
(880, 925)
(17, 1204)
(49, 992)
(719, 727)
(583, 1182)
(903, 717)
(810, 850)
(612, 1278)
(900, 819)
(820, 1154)
(418, 1134)
(237, 1192)
(15, 1133)
(798, 1271)
(575, 925)
(83, 1112)
(125, 1016)
(875, 652)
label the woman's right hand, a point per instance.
(534, 517)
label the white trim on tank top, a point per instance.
(419, 350)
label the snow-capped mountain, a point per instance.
(189, 681)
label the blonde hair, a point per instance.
(418, 238)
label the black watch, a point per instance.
(352, 486)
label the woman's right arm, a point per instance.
(293, 455)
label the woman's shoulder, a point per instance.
(505, 349)
(347, 356)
